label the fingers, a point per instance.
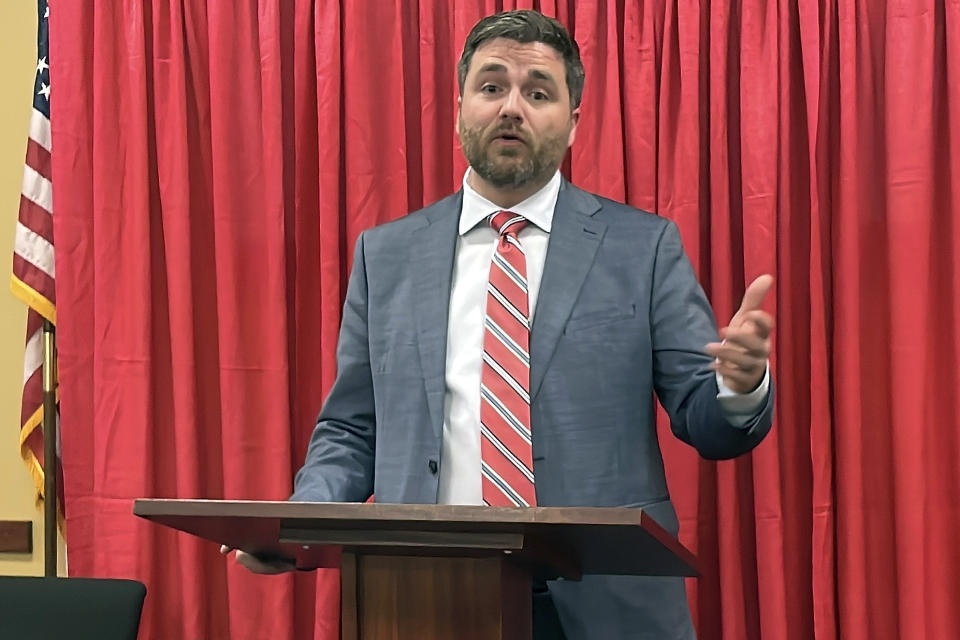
(737, 379)
(756, 322)
(742, 372)
(738, 357)
(753, 340)
(262, 566)
(756, 292)
(259, 565)
(741, 359)
(753, 297)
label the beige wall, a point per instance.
(18, 33)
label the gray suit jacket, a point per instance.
(619, 317)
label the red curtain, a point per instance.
(215, 161)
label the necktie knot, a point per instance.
(508, 223)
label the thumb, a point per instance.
(753, 296)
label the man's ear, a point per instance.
(456, 120)
(575, 119)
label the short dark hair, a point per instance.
(527, 26)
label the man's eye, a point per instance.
(539, 95)
(489, 88)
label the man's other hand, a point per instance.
(258, 564)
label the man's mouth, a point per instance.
(509, 138)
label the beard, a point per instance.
(511, 167)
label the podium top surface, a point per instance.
(594, 540)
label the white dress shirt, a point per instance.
(460, 452)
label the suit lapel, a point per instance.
(432, 247)
(574, 239)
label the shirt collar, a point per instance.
(538, 208)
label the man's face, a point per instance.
(515, 122)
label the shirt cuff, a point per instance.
(741, 408)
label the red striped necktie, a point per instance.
(506, 452)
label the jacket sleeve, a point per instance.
(340, 457)
(682, 324)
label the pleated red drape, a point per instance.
(215, 160)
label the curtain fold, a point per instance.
(215, 162)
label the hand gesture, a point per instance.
(742, 356)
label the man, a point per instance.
(503, 345)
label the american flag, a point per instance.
(33, 272)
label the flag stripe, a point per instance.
(33, 355)
(38, 158)
(32, 394)
(37, 188)
(34, 248)
(32, 441)
(40, 129)
(34, 279)
(36, 218)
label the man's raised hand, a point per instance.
(742, 356)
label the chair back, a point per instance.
(75, 608)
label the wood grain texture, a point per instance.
(349, 622)
(402, 598)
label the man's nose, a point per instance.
(512, 106)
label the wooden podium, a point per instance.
(435, 571)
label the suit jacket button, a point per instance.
(433, 466)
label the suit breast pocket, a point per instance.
(596, 320)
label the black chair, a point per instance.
(74, 608)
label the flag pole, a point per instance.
(49, 451)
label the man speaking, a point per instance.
(503, 346)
